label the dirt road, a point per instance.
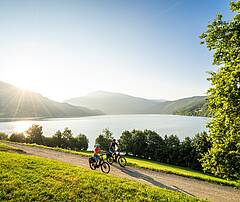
(198, 188)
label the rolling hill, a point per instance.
(191, 106)
(116, 103)
(113, 103)
(15, 102)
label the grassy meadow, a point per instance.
(152, 165)
(5, 147)
(178, 170)
(29, 178)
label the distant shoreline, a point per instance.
(12, 119)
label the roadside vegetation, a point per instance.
(28, 178)
(80, 153)
(178, 170)
(145, 149)
(152, 165)
(5, 147)
(62, 139)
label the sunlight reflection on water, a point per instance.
(21, 126)
(181, 126)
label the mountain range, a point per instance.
(17, 103)
(117, 103)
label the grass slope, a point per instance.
(28, 178)
(4, 147)
(178, 170)
(152, 165)
(81, 153)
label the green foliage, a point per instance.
(48, 141)
(126, 142)
(34, 134)
(172, 147)
(28, 178)
(192, 106)
(3, 136)
(222, 37)
(188, 153)
(17, 137)
(153, 165)
(155, 145)
(150, 145)
(139, 143)
(60, 139)
(81, 153)
(81, 142)
(201, 143)
(104, 139)
(66, 140)
(5, 147)
(198, 108)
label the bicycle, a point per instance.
(105, 167)
(116, 157)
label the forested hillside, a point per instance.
(116, 103)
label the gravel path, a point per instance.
(198, 188)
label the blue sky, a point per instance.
(68, 48)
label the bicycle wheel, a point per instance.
(122, 161)
(105, 167)
(92, 164)
(110, 160)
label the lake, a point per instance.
(92, 126)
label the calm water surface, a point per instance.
(181, 126)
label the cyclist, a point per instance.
(112, 147)
(97, 151)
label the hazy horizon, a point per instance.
(100, 91)
(64, 49)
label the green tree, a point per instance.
(57, 139)
(126, 142)
(67, 138)
(35, 134)
(48, 141)
(154, 145)
(223, 37)
(104, 139)
(201, 144)
(139, 143)
(187, 154)
(172, 146)
(81, 142)
(17, 137)
(3, 136)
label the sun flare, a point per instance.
(21, 126)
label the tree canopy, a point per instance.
(223, 38)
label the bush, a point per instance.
(17, 137)
(3, 136)
(81, 142)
